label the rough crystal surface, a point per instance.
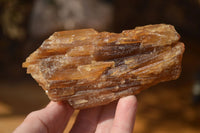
(89, 68)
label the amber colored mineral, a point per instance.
(89, 68)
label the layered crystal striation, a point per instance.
(89, 68)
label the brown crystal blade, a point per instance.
(89, 68)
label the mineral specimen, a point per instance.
(89, 68)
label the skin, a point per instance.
(112, 118)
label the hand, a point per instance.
(102, 119)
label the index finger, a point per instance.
(125, 115)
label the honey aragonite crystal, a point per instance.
(89, 68)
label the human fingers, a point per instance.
(53, 118)
(106, 118)
(125, 115)
(86, 121)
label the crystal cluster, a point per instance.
(89, 68)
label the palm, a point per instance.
(103, 119)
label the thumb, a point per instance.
(53, 118)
